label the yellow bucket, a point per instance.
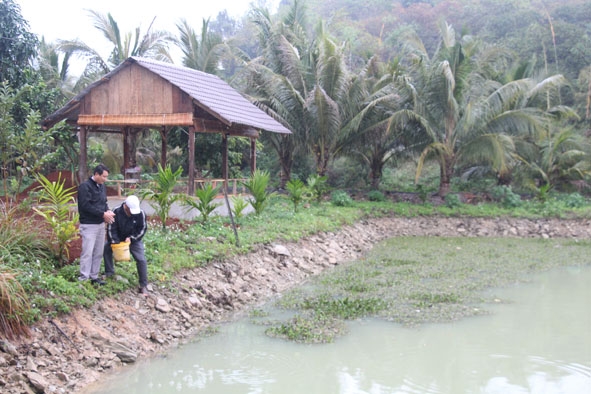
(121, 251)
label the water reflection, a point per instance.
(539, 342)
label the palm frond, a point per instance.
(494, 150)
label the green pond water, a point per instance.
(538, 340)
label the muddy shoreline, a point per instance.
(66, 354)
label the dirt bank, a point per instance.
(67, 353)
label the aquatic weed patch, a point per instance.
(415, 280)
(315, 328)
(344, 308)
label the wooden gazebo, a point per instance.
(147, 94)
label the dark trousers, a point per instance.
(136, 248)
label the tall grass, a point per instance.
(14, 306)
(22, 239)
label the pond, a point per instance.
(536, 340)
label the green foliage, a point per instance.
(427, 300)
(204, 203)
(506, 196)
(151, 43)
(14, 306)
(554, 160)
(574, 200)
(27, 145)
(176, 248)
(65, 150)
(344, 308)
(257, 187)
(239, 204)
(318, 185)
(297, 192)
(341, 198)
(18, 44)
(162, 193)
(317, 328)
(422, 192)
(376, 195)
(452, 200)
(7, 131)
(55, 207)
(20, 246)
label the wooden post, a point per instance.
(225, 161)
(163, 143)
(191, 185)
(253, 155)
(83, 162)
(126, 158)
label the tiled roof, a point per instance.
(212, 93)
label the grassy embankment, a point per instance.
(53, 290)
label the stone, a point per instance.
(37, 381)
(280, 250)
(8, 347)
(62, 377)
(162, 306)
(123, 352)
(157, 337)
(31, 366)
(194, 301)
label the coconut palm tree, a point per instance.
(278, 80)
(54, 68)
(382, 128)
(331, 103)
(307, 85)
(203, 53)
(560, 158)
(152, 44)
(469, 117)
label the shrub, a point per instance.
(506, 196)
(422, 192)
(318, 186)
(452, 200)
(376, 195)
(239, 204)
(297, 192)
(574, 200)
(340, 198)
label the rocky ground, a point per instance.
(66, 354)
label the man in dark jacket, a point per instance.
(130, 225)
(94, 213)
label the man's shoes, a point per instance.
(143, 291)
(98, 282)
